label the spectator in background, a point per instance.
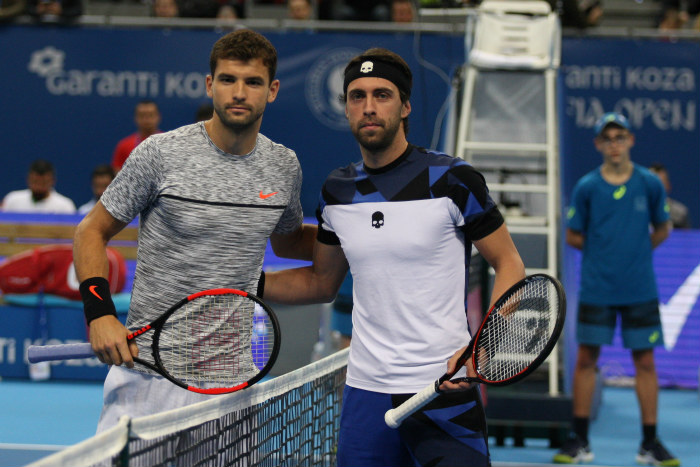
(9, 9)
(300, 9)
(674, 16)
(40, 195)
(101, 177)
(679, 211)
(403, 11)
(55, 10)
(166, 9)
(227, 12)
(147, 118)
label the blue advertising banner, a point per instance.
(68, 94)
(655, 85)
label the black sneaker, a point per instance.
(574, 451)
(656, 454)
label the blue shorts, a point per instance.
(641, 325)
(450, 431)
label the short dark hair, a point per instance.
(244, 45)
(380, 54)
(42, 167)
(104, 169)
(146, 102)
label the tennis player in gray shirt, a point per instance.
(209, 196)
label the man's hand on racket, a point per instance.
(108, 339)
(458, 384)
(230, 340)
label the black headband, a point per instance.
(378, 69)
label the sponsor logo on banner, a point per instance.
(49, 64)
(324, 85)
(663, 97)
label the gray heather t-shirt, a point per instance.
(205, 216)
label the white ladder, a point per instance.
(507, 127)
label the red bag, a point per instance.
(51, 268)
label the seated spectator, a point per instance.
(674, 16)
(166, 9)
(227, 12)
(300, 9)
(101, 177)
(403, 11)
(679, 211)
(55, 10)
(40, 195)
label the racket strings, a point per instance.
(216, 341)
(517, 332)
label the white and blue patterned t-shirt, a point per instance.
(406, 230)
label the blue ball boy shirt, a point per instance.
(616, 220)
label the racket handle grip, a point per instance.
(47, 353)
(394, 417)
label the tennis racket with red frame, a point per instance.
(516, 336)
(215, 341)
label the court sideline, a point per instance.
(41, 417)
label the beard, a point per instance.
(379, 139)
(238, 124)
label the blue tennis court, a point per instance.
(39, 418)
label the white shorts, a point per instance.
(136, 394)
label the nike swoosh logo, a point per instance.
(92, 291)
(676, 310)
(265, 196)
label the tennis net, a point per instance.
(291, 420)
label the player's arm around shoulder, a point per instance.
(296, 245)
(107, 333)
(318, 283)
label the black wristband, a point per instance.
(261, 285)
(97, 299)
